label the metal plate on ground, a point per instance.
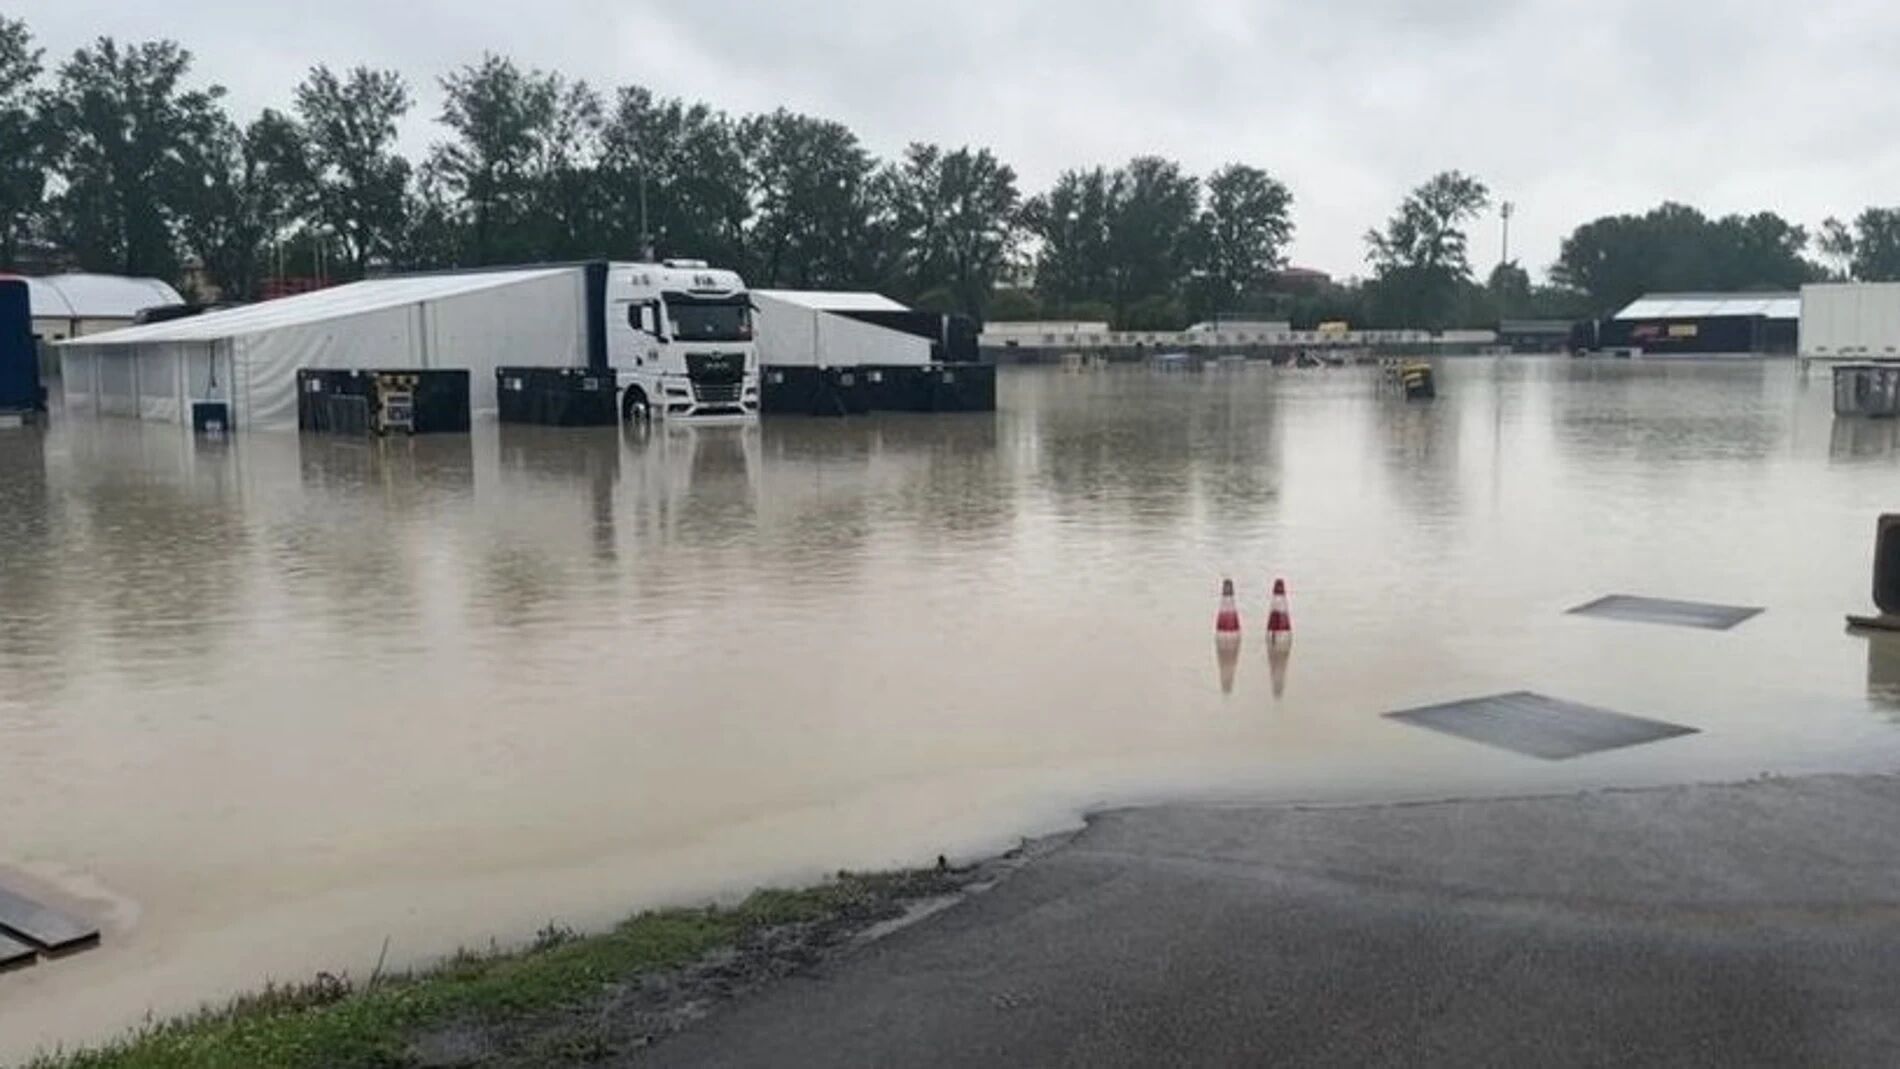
(1536, 726)
(50, 930)
(1664, 611)
(15, 954)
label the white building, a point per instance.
(248, 357)
(1040, 333)
(73, 306)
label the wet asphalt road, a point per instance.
(1754, 924)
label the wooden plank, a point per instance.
(42, 926)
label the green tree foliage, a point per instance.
(697, 180)
(1420, 259)
(1151, 230)
(246, 190)
(1119, 238)
(1870, 251)
(520, 171)
(1072, 223)
(121, 121)
(1245, 226)
(953, 220)
(815, 203)
(23, 161)
(1675, 248)
(360, 180)
(1013, 306)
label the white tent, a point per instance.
(811, 328)
(250, 356)
(68, 306)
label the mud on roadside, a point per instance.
(628, 1016)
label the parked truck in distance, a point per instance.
(680, 341)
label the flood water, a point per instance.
(265, 704)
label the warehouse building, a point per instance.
(1706, 324)
(73, 306)
(248, 358)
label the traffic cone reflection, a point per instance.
(1227, 656)
(1280, 618)
(1228, 622)
(1279, 656)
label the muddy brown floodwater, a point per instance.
(266, 703)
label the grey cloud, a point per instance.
(1569, 109)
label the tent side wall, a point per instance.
(847, 342)
(786, 333)
(537, 322)
(474, 325)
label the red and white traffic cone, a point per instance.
(1228, 622)
(1280, 618)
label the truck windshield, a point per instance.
(710, 320)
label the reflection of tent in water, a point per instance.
(1883, 670)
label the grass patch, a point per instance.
(334, 1022)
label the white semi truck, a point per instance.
(680, 341)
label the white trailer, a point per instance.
(1850, 321)
(812, 328)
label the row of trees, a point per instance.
(119, 163)
(115, 161)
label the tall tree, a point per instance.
(1420, 257)
(680, 166)
(119, 120)
(954, 218)
(248, 189)
(1151, 235)
(1510, 289)
(815, 202)
(1071, 222)
(1245, 227)
(1673, 247)
(23, 161)
(360, 179)
(508, 149)
(566, 200)
(1870, 251)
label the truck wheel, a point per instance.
(634, 407)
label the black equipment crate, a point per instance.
(557, 396)
(814, 391)
(932, 388)
(376, 401)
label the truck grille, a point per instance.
(717, 393)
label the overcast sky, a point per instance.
(1570, 109)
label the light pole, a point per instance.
(1506, 210)
(646, 235)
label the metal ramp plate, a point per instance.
(1536, 726)
(1665, 611)
(15, 954)
(50, 930)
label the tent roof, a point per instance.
(834, 301)
(96, 296)
(1710, 305)
(370, 295)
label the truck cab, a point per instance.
(681, 343)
